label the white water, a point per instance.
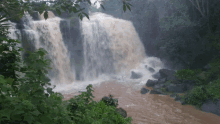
(111, 49)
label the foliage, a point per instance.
(29, 99)
(188, 32)
(213, 89)
(186, 74)
(200, 94)
(197, 96)
(86, 111)
(110, 101)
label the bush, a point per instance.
(213, 90)
(86, 111)
(110, 101)
(23, 100)
(197, 96)
(191, 75)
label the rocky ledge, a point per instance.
(168, 84)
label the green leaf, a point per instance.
(46, 15)
(102, 6)
(89, 2)
(63, 8)
(129, 4)
(58, 11)
(10, 80)
(36, 113)
(81, 17)
(74, 9)
(76, 5)
(128, 7)
(86, 15)
(124, 7)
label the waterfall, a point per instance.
(46, 34)
(85, 52)
(111, 46)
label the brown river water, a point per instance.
(151, 108)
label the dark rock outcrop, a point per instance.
(156, 91)
(169, 75)
(177, 88)
(151, 83)
(144, 90)
(162, 81)
(156, 75)
(159, 86)
(135, 75)
(151, 69)
(122, 112)
(210, 106)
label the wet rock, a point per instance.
(162, 81)
(210, 106)
(156, 91)
(151, 83)
(122, 112)
(156, 75)
(169, 75)
(144, 90)
(183, 102)
(166, 73)
(159, 86)
(177, 98)
(105, 98)
(151, 69)
(135, 75)
(177, 88)
(173, 95)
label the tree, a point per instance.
(23, 99)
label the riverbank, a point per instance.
(150, 108)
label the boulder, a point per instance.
(156, 75)
(177, 98)
(173, 95)
(176, 88)
(159, 86)
(106, 98)
(210, 106)
(135, 75)
(151, 83)
(122, 112)
(169, 75)
(144, 90)
(162, 81)
(156, 91)
(166, 73)
(151, 69)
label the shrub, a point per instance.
(110, 101)
(23, 99)
(86, 111)
(213, 89)
(197, 96)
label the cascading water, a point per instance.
(47, 35)
(110, 48)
